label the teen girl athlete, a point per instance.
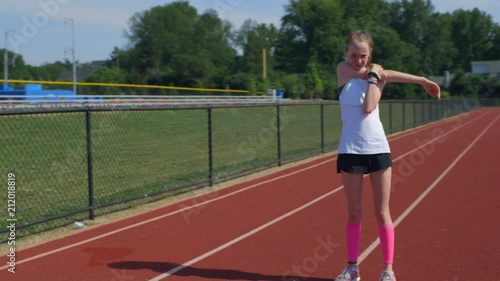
(363, 147)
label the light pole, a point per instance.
(6, 62)
(72, 23)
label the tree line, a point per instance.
(176, 45)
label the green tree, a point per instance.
(252, 86)
(329, 84)
(409, 18)
(118, 56)
(471, 34)
(213, 50)
(314, 83)
(494, 52)
(437, 47)
(173, 44)
(17, 69)
(416, 23)
(181, 47)
(106, 74)
(293, 85)
(252, 39)
(355, 15)
(475, 86)
(310, 27)
(157, 36)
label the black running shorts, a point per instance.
(363, 163)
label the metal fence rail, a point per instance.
(23, 101)
(78, 163)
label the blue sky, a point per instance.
(42, 35)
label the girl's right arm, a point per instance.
(345, 72)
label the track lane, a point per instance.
(174, 238)
(305, 265)
(454, 234)
(430, 241)
(96, 253)
(259, 251)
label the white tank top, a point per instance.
(361, 133)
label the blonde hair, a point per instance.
(360, 36)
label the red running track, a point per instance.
(290, 225)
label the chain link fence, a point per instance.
(78, 163)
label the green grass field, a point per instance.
(139, 152)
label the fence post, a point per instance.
(210, 148)
(414, 114)
(404, 115)
(322, 128)
(423, 112)
(390, 116)
(438, 110)
(430, 111)
(90, 174)
(443, 109)
(278, 132)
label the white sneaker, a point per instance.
(387, 276)
(350, 273)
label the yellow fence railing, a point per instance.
(90, 84)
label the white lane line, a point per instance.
(426, 192)
(239, 238)
(431, 125)
(189, 207)
(246, 235)
(435, 139)
(165, 215)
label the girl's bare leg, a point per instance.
(381, 185)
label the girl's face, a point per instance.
(358, 54)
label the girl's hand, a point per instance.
(376, 67)
(432, 88)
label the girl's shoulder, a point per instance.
(345, 72)
(343, 66)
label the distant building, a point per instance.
(492, 68)
(443, 81)
(82, 75)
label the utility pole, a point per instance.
(6, 62)
(72, 23)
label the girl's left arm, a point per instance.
(400, 77)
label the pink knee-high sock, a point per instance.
(386, 233)
(353, 240)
